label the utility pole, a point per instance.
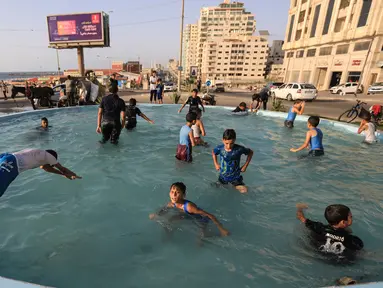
(181, 42)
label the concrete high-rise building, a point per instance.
(334, 41)
(190, 42)
(238, 59)
(228, 19)
(274, 65)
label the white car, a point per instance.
(169, 87)
(375, 88)
(295, 91)
(346, 88)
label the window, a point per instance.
(315, 21)
(300, 54)
(339, 24)
(362, 46)
(290, 54)
(353, 77)
(328, 17)
(289, 86)
(311, 52)
(295, 86)
(364, 13)
(344, 4)
(298, 35)
(325, 51)
(301, 16)
(291, 28)
(342, 49)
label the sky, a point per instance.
(148, 30)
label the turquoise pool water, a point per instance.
(96, 232)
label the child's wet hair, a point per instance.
(242, 104)
(314, 121)
(336, 213)
(180, 186)
(191, 116)
(255, 97)
(229, 134)
(297, 102)
(53, 153)
(132, 102)
(45, 119)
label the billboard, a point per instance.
(86, 29)
(193, 71)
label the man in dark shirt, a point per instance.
(113, 83)
(333, 239)
(264, 97)
(111, 117)
(194, 102)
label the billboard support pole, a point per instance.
(181, 42)
(58, 62)
(80, 60)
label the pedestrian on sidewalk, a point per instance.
(5, 89)
(199, 84)
(70, 87)
(153, 87)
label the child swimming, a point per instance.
(314, 138)
(333, 238)
(230, 161)
(369, 129)
(184, 148)
(297, 108)
(241, 109)
(177, 200)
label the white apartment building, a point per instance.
(239, 59)
(332, 41)
(228, 19)
(190, 43)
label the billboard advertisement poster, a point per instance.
(85, 27)
(194, 71)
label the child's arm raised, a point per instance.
(300, 215)
(192, 209)
(305, 145)
(300, 112)
(146, 118)
(163, 211)
(248, 160)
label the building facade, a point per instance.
(190, 40)
(334, 41)
(239, 59)
(228, 19)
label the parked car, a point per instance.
(375, 88)
(219, 87)
(169, 87)
(294, 91)
(346, 88)
(271, 86)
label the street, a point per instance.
(326, 105)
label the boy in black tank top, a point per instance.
(131, 115)
(194, 102)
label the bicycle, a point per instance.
(351, 114)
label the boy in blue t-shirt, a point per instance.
(230, 160)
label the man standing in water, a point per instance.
(111, 117)
(12, 164)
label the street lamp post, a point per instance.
(181, 40)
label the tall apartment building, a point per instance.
(332, 41)
(190, 42)
(228, 19)
(235, 59)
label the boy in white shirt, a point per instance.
(11, 165)
(369, 129)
